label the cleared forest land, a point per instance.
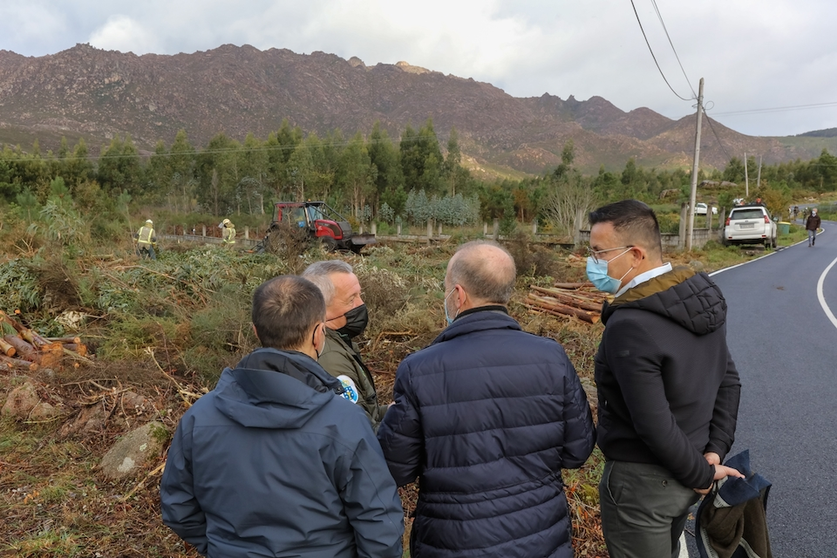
(158, 334)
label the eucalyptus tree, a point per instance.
(119, 167)
(421, 159)
(217, 171)
(389, 181)
(357, 174)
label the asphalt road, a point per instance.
(783, 338)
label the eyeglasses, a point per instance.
(595, 253)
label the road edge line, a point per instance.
(821, 298)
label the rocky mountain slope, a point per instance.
(96, 94)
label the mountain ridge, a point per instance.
(98, 94)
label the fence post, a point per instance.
(684, 216)
(579, 219)
(535, 227)
(440, 228)
(374, 228)
(485, 229)
(398, 229)
(429, 229)
(496, 228)
(203, 230)
(246, 233)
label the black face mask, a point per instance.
(356, 320)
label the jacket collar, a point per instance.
(478, 319)
(687, 298)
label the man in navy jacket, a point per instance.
(667, 386)
(486, 417)
(273, 462)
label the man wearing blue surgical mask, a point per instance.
(667, 386)
(346, 318)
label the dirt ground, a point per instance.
(53, 496)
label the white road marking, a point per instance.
(820, 296)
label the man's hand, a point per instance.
(721, 471)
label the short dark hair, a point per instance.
(633, 221)
(485, 278)
(285, 309)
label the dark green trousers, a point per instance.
(644, 510)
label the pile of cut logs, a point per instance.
(581, 300)
(23, 349)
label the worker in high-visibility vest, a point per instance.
(146, 240)
(228, 236)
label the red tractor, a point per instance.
(316, 221)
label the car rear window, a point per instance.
(747, 214)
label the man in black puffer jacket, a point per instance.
(668, 389)
(273, 462)
(486, 417)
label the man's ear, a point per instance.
(638, 253)
(256, 333)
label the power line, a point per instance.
(714, 133)
(777, 109)
(674, 50)
(654, 56)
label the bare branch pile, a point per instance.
(25, 350)
(581, 300)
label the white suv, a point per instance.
(750, 224)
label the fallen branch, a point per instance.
(570, 300)
(65, 340)
(17, 364)
(140, 484)
(182, 391)
(7, 349)
(389, 334)
(76, 355)
(572, 285)
(562, 310)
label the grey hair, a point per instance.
(480, 276)
(318, 273)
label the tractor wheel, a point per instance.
(328, 244)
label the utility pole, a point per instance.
(693, 195)
(758, 180)
(746, 180)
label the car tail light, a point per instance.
(767, 219)
(726, 223)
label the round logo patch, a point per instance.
(350, 391)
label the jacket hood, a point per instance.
(690, 299)
(274, 389)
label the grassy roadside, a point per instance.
(191, 309)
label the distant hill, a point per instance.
(827, 133)
(97, 94)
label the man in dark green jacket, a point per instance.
(668, 389)
(346, 318)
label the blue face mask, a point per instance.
(445, 304)
(597, 273)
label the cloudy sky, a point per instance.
(770, 66)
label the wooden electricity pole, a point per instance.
(693, 194)
(746, 180)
